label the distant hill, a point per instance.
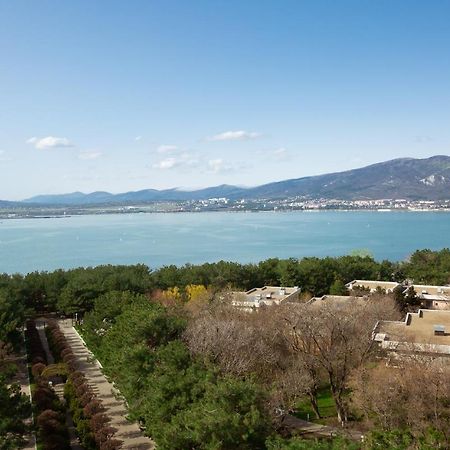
(407, 178)
(404, 178)
(8, 204)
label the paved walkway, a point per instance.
(127, 431)
(304, 428)
(58, 387)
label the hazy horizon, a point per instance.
(155, 95)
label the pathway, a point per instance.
(128, 432)
(302, 427)
(58, 387)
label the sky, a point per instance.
(127, 95)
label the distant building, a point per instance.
(372, 286)
(424, 332)
(265, 296)
(335, 299)
(432, 297)
(338, 301)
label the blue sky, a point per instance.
(118, 96)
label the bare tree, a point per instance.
(378, 393)
(335, 337)
(292, 347)
(241, 343)
(414, 395)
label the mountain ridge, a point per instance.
(401, 178)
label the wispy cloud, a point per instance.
(239, 135)
(218, 166)
(138, 138)
(186, 160)
(168, 163)
(167, 148)
(49, 142)
(87, 156)
(278, 154)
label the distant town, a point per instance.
(224, 204)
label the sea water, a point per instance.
(178, 238)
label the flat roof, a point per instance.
(418, 327)
(266, 293)
(275, 292)
(336, 301)
(430, 289)
(374, 284)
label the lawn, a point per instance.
(327, 407)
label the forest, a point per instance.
(199, 374)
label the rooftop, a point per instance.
(418, 328)
(373, 285)
(266, 295)
(425, 289)
(335, 299)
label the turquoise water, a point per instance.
(159, 239)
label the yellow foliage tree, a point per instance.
(197, 296)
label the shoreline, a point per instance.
(18, 216)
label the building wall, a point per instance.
(441, 305)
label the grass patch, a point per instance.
(327, 407)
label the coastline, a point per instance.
(137, 210)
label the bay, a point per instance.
(177, 238)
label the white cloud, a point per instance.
(239, 135)
(215, 164)
(86, 156)
(187, 160)
(167, 149)
(218, 165)
(138, 138)
(168, 163)
(49, 142)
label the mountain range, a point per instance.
(403, 178)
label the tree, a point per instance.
(14, 409)
(228, 416)
(240, 343)
(338, 288)
(197, 297)
(297, 443)
(429, 267)
(412, 398)
(11, 318)
(336, 337)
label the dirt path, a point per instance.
(128, 432)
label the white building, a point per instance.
(265, 296)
